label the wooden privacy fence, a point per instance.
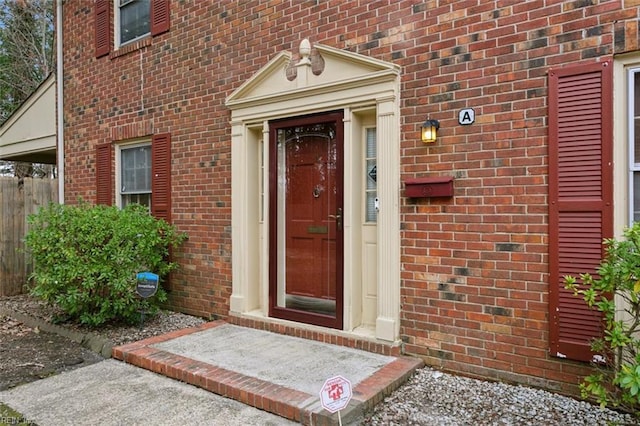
(18, 199)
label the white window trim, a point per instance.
(116, 27)
(119, 148)
(632, 165)
(623, 134)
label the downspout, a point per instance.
(59, 103)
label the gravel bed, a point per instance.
(435, 398)
(429, 398)
(119, 334)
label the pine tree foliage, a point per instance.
(26, 59)
(26, 50)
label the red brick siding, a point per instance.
(474, 267)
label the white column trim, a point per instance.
(239, 223)
(388, 319)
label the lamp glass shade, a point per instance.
(429, 131)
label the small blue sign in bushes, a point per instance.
(147, 284)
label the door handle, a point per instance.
(338, 218)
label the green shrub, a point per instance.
(86, 259)
(616, 380)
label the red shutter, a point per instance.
(580, 197)
(102, 28)
(161, 176)
(104, 187)
(159, 16)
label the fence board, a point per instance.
(17, 201)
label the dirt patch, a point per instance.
(28, 354)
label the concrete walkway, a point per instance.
(111, 393)
(274, 379)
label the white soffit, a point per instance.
(29, 134)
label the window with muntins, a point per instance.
(634, 144)
(134, 19)
(135, 175)
(142, 174)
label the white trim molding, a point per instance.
(319, 79)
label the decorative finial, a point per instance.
(305, 51)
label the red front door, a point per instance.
(306, 219)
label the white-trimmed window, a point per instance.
(133, 20)
(134, 174)
(634, 144)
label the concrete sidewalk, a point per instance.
(114, 393)
(273, 378)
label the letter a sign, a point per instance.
(466, 116)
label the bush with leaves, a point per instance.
(86, 259)
(616, 380)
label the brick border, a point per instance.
(280, 400)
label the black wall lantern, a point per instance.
(430, 131)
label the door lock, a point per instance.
(338, 218)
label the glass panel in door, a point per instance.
(306, 225)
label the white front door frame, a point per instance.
(332, 79)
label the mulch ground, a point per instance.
(28, 354)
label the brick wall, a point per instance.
(474, 267)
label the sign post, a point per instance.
(335, 395)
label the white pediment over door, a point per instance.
(322, 69)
